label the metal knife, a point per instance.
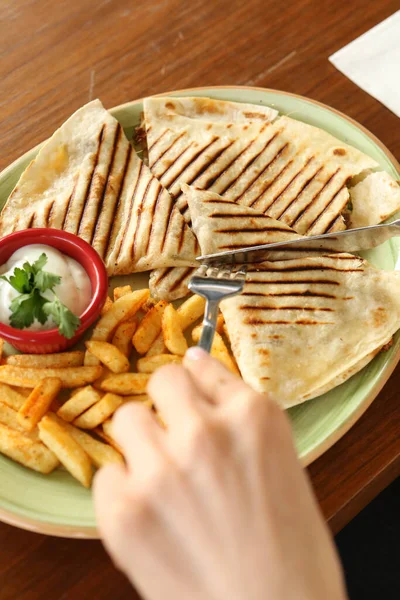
(350, 240)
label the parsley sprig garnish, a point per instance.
(31, 282)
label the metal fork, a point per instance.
(216, 284)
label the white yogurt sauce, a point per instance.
(74, 290)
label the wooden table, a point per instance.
(58, 55)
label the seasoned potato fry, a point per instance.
(44, 361)
(172, 332)
(157, 347)
(149, 328)
(150, 303)
(8, 416)
(106, 306)
(78, 403)
(219, 351)
(191, 310)
(107, 427)
(99, 453)
(68, 451)
(122, 337)
(38, 402)
(122, 291)
(122, 309)
(11, 397)
(27, 452)
(90, 360)
(137, 398)
(99, 412)
(149, 364)
(109, 355)
(125, 384)
(1, 348)
(70, 377)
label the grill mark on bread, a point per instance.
(293, 282)
(31, 221)
(251, 229)
(164, 152)
(310, 204)
(305, 294)
(232, 162)
(214, 177)
(307, 308)
(48, 214)
(254, 321)
(292, 180)
(90, 181)
(69, 201)
(158, 139)
(168, 223)
(191, 160)
(153, 212)
(271, 183)
(117, 204)
(117, 138)
(139, 211)
(300, 192)
(302, 268)
(326, 207)
(260, 175)
(181, 279)
(128, 218)
(175, 160)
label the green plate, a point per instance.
(56, 504)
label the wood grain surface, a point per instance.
(55, 56)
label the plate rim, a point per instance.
(87, 532)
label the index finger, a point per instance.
(214, 380)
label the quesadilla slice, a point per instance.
(373, 200)
(303, 326)
(88, 180)
(286, 169)
(170, 283)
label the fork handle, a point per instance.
(209, 325)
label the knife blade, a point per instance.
(350, 240)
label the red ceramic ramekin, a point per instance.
(44, 342)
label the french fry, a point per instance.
(99, 412)
(218, 350)
(191, 310)
(122, 338)
(99, 453)
(150, 303)
(125, 384)
(8, 416)
(70, 377)
(45, 361)
(172, 332)
(1, 348)
(149, 364)
(109, 355)
(78, 403)
(106, 373)
(68, 451)
(122, 291)
(122, 309)
(149, 328)
(106, 306)
(11, 397)
(21, 448)
(38, 402)
(90, 360)
(107, 427)
(157, 347)
(137, 398)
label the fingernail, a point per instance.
(196, 353)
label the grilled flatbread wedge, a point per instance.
(281, 167)
(88, 180)
(222, 225)
(374, 199)
(170, 283)
(303, 326)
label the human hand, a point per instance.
(216, 507)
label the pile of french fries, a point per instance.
(56, 409)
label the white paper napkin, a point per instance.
(372, 61)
